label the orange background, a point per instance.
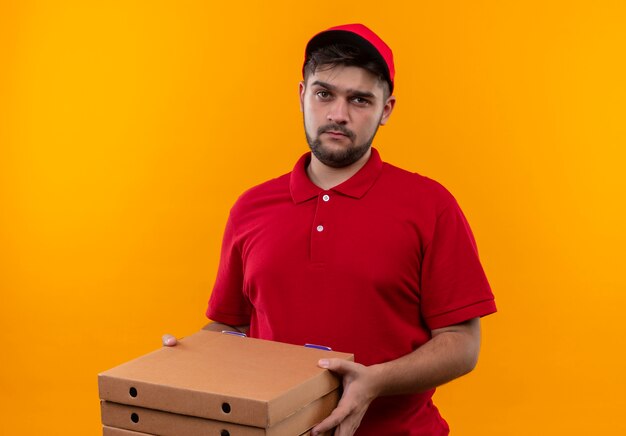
(127, 129)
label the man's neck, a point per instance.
(327, 177)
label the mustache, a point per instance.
(335, 128)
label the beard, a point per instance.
(338, 158)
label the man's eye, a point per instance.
(360, 101)
(323, 94)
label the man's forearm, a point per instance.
(218, 327)
(451, 353)
(171, 341)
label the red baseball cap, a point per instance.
(360, 36)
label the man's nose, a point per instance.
(338, 112)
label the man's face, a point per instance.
(343, 107)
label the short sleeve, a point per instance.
(228, 304)
(454, 287)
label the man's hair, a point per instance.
(333, 55)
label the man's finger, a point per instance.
(332, 421)
(169, 340)
(340, 366)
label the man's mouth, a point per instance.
(335, 133)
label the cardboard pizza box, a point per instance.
(114, 431)
(223, 377)
(171, 424)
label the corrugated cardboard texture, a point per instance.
(223, 377)
(172, 424)
(113, 431)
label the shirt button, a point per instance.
(326, 197)
(320, 228)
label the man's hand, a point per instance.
(359, 390)
(168, 340)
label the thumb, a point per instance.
(339, 366)
(169, 340)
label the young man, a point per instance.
(353, 253)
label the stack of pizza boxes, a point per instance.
(219, 384)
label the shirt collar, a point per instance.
(303, 189)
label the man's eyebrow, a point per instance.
(352, 92)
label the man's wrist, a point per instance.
(379, 376)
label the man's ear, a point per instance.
(301, 91)
(387, 109)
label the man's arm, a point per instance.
(218, 327)
(170, 341)
(451, 353)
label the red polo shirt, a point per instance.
(370, 267)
